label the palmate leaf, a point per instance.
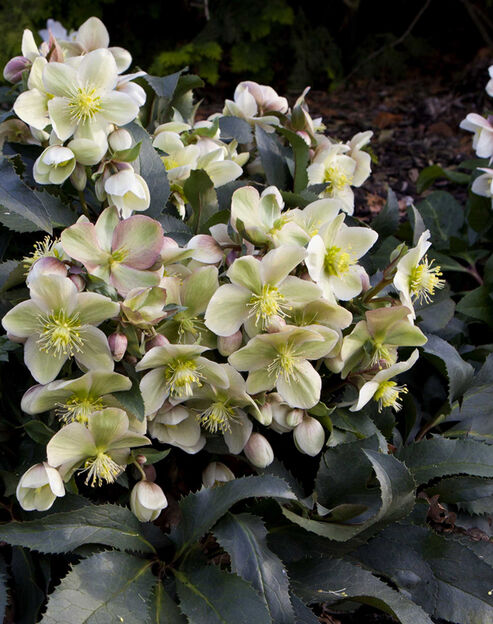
(105, 588)
(235, 128)
(201, 510)
(440, 457)
(397, 496)
(448, 579)
(108, 524)
(332, 580)
(209, 595)
(243, 536)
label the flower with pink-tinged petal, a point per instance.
(482, 141)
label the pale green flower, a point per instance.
(333, 166)
(147, 500)
(178, 426)
(39, 487)
(127, 191)
(178, 370)
(58, 323)
(76, 399)
(281, 360)
(143, 307)
(332, 258)
(381, 389)
(260, 292)
(374, 342)
(54, 165)
(102, 449)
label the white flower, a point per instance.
(337, 169)
(216, 473)
(483, 184)
(482, 141)
(489, 86)
(258, 451)
(54, 165)
(147, 500)
(128, 191)
(177, 426)
(265, 97)
(362, 158)
(246, 107)
(39, 487)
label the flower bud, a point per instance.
(54, 165)
(79, 282)
(79, 177)
(118, 343)
(294, 417)
(158, 341)
(258, 451)
(226, 345)
(39, 487)
(309, 436)
(48, 265)
(276, 324)
(263, 414)
(216, 472)
(365, 281)
(12, 72)
(147, 500)
(120, 140)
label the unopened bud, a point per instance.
(294, 417)
(258, 451)
(309, 436)
(120, 140)
(46, 266)
(226, 345)
(78, 177)
(298, 119)
(118, 345)
(263, 414)
(216, 472)
(12, 72)
(141, 459)
(158, 341)
(276, 324)
(147, 500)
(79, 282)
(365, 280)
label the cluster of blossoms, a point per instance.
(224, 337)
(482, 143)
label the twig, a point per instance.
(394, 43)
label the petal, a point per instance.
(142, 238)
(105, 227)
(260, 381)
(97, 70)
(54, 292)
(81, 243)
(198, 289)
(44, 367)
(213, 372)
(32, 108)
(41, 398)
(88, 152)
(93, 308)
(347, 286)
(303, 388)
(123, 58)
(245, 271)
(61, 118)
(258, 353)
(365, 395)
(154, 389)
(315, 257)
(125, 278)
(239, 434)
(222, 172)
(107, 425)
(23, 319)
(60, 79)
(160, 356)
(227, 309)
(71, 444)
(278, 263)
(93, 35)
(118, 108)
(299, 291)
(95, 354)
(356, 240)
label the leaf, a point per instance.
(442, 575)
(478, 304)
(436, 314)
(164, 609)
(417, 222)
(443, 216)
(16, 222)
(9, 273)
(429, 174)
(59, 214)
(107, 524)
(397, 493)
(164, 86)
(152, 455)
(235, 128)
(209, 595)
(127, 155)
(38, 431)
(301, 153)
(201, 510)
(27, 594)
(107, 587)
(200, 194)
(458, 371)
(243, 536)
(3, 589)
(332, 580)
(471, 494)
(132, 400)
(272, 157)
(439, 457)
(387, 220)
(303, 615)
(152, 169)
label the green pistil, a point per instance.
(60, 334)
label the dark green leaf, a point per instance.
(38, 431)
(332, 580)
(201, 510)
(152, 455)
(107, 587)
(16, 222)
(387, 220)
(132, 400)
(127, 155)
(110, 525)
(59, 214)
(164, 609)
(303, 615)
(11, 273)
(477, 304)
(200, 194)
(417, 222)
(272, 156)
(243, 536)
(442, 575)
(164, 86)
(3, 588)
(209, 595)
(235, 128)
(471, 494)
(459, 372)
(301, 152)
(439, 457)
(436, 314)
(443, 216)
(152, 169)
(27, 594)
(428, 175)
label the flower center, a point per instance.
(387, 395)
(266, 305)
(101, 468)
(60, 334)
(84, 104)
(43, 249)
(118, 256)
(169, 162)
(218, 417)
(424, 279)
(284, 364)
(336, 178)
(78, 409)
(381, 355)
(277, 226)
(189, 325)
(337, 262)
(181, 376)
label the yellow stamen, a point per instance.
(388, 394)
(337, 262)
(381, 355)
(269, 303)
(118, 256)
(78, 409)
(423, 280)
(84, 104)
(101, 468)
(182, 375)
(336, 178)
(284, 364)
(43, 249)
(218, 417)
(60, 334)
